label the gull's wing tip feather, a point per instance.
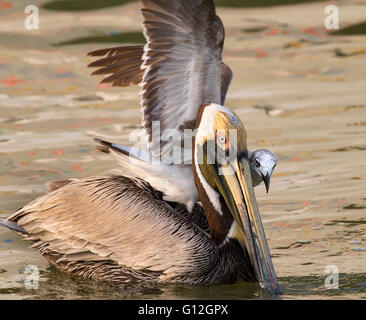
(163, 67)
(108, 147)
(121, 63)
(103, 146)
(57, 184)
(182, 63)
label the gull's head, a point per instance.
(223, 179)
(262, 164)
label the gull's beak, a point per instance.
(235, 185)
(266, 180)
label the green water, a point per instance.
(356, 29)
(259, 3)
(54, 284)
(80, 5)
(126, 37)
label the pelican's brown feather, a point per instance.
(103, 226)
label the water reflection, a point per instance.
(57, 285)
(125, 37)
(355, 29)
(80, 5)
(313, 286)
(259, 3)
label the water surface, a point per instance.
(299, 91)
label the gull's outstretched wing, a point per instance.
(181, 63)
(123, 67)
(123, 64)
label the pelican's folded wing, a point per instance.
(114, 228)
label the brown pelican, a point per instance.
(118, 228)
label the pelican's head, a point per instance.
(262, 163)
(222, 175)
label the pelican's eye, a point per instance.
(221, 139)
(257, 163)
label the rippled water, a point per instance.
(54, 284)
(299, 91)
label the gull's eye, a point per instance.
(257, 163)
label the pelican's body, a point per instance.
(118, 228)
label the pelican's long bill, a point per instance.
(232, 179)
(238, 192)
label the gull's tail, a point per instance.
(133, 161)
(174, 181)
